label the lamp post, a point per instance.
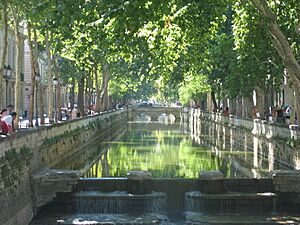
(55, 83)
(37, 79)
(7, 76)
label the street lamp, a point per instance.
(7, 76)
(37, 79)
(55, 83)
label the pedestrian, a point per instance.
(226, 111)
(13, 115)
(4, 129)
(5, 117)
(79, 114)
(255, 113)
(279, 114)
(74, 113)
(66, 114)
(10, 108)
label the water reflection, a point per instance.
(166, 118)
(143, 118)
(165, 153)
(183, 150)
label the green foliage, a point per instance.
(193, 87)
(156, 47)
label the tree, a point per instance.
(17, 15)
(4, 47)
(281, 42)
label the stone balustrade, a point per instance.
(256, 126)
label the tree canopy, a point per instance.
(177, 49)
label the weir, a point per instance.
(118, 202)
(248, 153)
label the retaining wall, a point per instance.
(26, 152)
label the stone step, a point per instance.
(119, 202)
(264, 219)
(230, 203)
(104, 219)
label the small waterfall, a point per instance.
(119, 202)
(230, 203)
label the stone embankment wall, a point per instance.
(25, 153)
(280, 143)
(259, 127)
(277, 142)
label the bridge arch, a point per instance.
(156, 113)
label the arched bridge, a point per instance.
(153, 112)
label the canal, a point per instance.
(177, 151)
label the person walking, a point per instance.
(13, 115)
(74, 113)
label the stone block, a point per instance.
(287, 181)
(211, 175)
(139, 175)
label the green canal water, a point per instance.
(170, 151)
(167, 154)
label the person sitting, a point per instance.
(6, 117)
(3, 125)
(226, 111)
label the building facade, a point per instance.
(27, 78)
(8, 95)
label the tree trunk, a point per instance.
(296, 105)
(280, 42)
(232, 106)
(42, 99)
(239, 106)
(98, 99)
(104, 88)
(18, 65)
(213, 98)
(72, 93)
(4, 51)
(49, 76)
(33, 81)
(81, 94)
(58, 97)
(260, 102)
(87, 91)
(247, 105)
(40, 91)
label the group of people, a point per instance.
(281, 114)
(72, 114)
(7, 117)
(276, 114)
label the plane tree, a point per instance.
(282, 23)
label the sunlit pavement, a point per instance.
(24, 124)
